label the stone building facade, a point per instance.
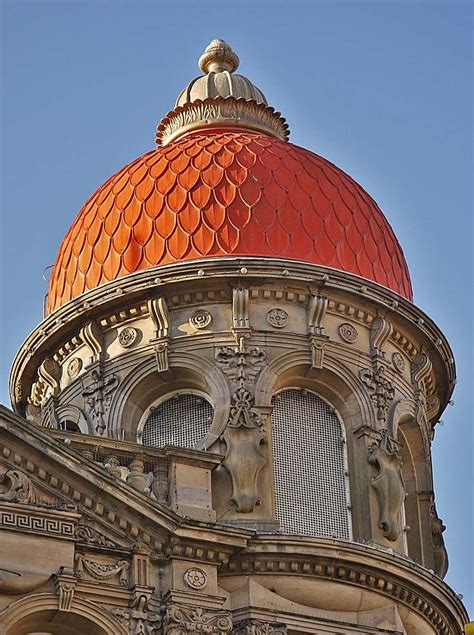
(224, 422)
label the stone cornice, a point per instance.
(82, 483)
(384, 572)
(117, 296)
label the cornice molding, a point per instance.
(126, 296)
(364, 566)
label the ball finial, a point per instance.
(218, 57)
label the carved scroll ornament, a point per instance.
(257, 627)
(180, 620)
(16, 487)
(388, 484)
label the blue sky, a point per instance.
(383, 89)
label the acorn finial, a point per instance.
(218, 57)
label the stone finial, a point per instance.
(217, 57)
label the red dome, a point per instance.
(226, 194)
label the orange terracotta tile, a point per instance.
(222, 193)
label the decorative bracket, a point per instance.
(317, 308)
(380, 331)
(388, 484)
(93, 338)
(50, 373)
(65, 583)
(160, 315)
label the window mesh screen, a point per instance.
(181, 420)
(309, 466)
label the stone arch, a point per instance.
(74, 414)
(143, 385)
(339, 387)
(334, 383)
(40, 611)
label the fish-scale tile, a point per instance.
(165, 223)
(312, 222)
(334, 229)
(178, 243)
(142, 229)
(224, 157)
(238, 214)
(180, 163)
(224, 193)
(250, 192)
(213, 214)
(277, 239)
(264, 215)
(227, 238)
(275, 196)
(138, 174)
(212, 175)
(202, 160)
(203, 240)
(177, 198)
(120, 239)
(132, 212)
(145, 187)
(84, 260)
(154, 204)
(112, 265)
(200, 194)
(354, 238)
(154, 249)
(189, 219)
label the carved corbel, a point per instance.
(93, 338)
(380, 331)
(160, 316)
(181, 619)
(388, 484)
(50, 373)
(317, 346)
(317, 308)
(420, 371)
(439, 550)
(244, 459)
(65, 583)
(162, 349)
(240, 314)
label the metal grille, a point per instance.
(181, 420)
(309, 466)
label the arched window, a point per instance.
(181, 419)
(310, 467)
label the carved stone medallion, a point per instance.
(128, 336)
(278, 318)
(200, 319)
(195, 578)
(74, 367)
(348, 332)
(399, 362)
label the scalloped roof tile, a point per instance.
(226, 194)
